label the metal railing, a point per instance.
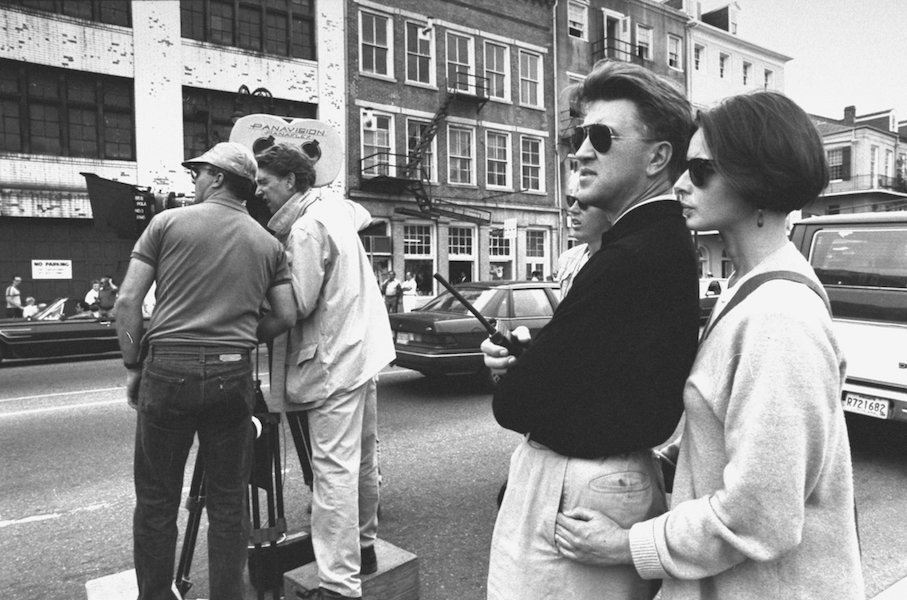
(859, 183)
(617, 50)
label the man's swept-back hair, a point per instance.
(767, 148)
(662, 106)
(283, 159)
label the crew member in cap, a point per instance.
(191, 371)
(335, 351)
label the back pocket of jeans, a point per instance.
(625, 497)
(159, 395)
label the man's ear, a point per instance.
(291, 180)
(659, 158)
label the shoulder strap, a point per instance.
(748, 286)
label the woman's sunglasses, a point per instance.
(600, 136)
(699, 169)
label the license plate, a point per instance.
(404, 338)
(866, 405)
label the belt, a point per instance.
(204, 354)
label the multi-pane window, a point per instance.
(374, 51)
(418, 54)
(675, 52)
(417, 240)
(768, 79)
(576, 20)
(747, 73)
(531, 163)
(65, 113)
(277, 27)
(459, 155)
(497, 157)
(497, 67)
(530, 78)
(208, 115)
(644, 42)
(535, 243)
(699, 57)
(835, 163)
(377, 145)
(113, 12)
(415, 131)
(723, 64)
(459, 241)
(498, 245)
(459, 62)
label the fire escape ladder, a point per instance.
(413, 165)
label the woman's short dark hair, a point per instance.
(767, 148)
(662, 106)
(283, 159)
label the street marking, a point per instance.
(58, 394)
(50, 516)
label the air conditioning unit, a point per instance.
(369, 122)
(424, 33)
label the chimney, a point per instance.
(850, 113)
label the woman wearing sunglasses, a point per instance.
(587, 224)
(762, 504)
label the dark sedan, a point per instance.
(55, 331)
(443, 338)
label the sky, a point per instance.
(845, 52)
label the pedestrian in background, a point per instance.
(587, 224)
(762, 505)
(602, 383)
(30, 309)
(14, 299)
(332, 358)
(107, 296)
(392, 290)
(214, 266)
(91, 296)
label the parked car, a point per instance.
(861, 260)
(52, 332)
(709, 290)
(443, 338)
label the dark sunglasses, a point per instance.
(699, 169)
(600, 136)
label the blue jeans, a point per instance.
(187, 390)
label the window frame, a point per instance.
(648, 36)
(583, 23)
(700, 63)
(390, 149)
(469, 85)
(746, 72)
(388, 49)
(432, 152)
(540, 166)
(768, 79)
(459, 129)
(506, 161)
(409, 28)
(99, 11)
(505, 74)
(679, 58)
(724, 61)
(834, 157)
(538, 82)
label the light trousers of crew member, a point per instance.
(344, 434)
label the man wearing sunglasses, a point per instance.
(602, 383)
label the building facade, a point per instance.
(127, 90)
(867, 163)
(449, 142)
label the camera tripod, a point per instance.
(266, 559)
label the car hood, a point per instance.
(439, 322)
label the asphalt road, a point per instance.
(66, 502)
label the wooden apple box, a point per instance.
(397, 577)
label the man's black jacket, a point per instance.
(606, 375)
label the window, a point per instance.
(835, 163)
(113, 12)
(499, 256)
(497, 68)
(873, 164)
(418, 54)
(698, 58)
(576, 20)
(723, 62)
(377, 144)
(417, 240)
(535, 253)
(497, 157)
(644, 42)
(61, 112)
(860, 257)
(459, 62)
(208, 115)
(833, 209)
(415, 130)
(531, 164)
(889, 163)
(747, 73)
(276, 27)
(769, 79)
(459, 241)
(530, 78)
(675, 52)
(459, 155)
(375, 49)
(532, 303)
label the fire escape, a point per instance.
(388, 173)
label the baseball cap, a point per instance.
(229, 156)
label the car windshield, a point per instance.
(482, 299)
(52, 312)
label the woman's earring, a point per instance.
(759, 219)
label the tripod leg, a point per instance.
(194, 503)
(298, 422)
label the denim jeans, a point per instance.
(187, 390)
